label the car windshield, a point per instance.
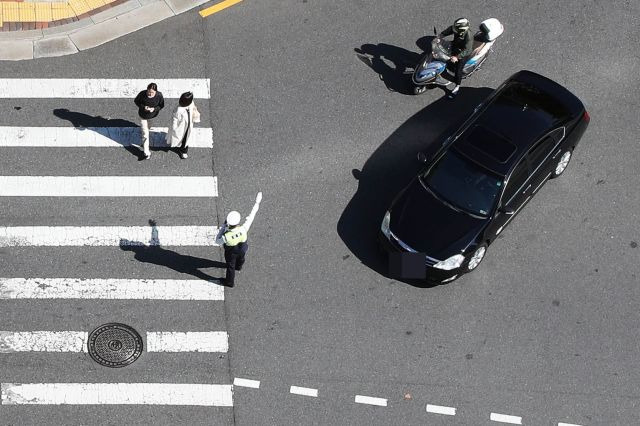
(463, 184)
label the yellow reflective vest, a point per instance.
(235, 236)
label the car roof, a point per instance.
(523, 109)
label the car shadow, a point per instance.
(117, 129)
(394, 65)
(392, 166)
(152, 252)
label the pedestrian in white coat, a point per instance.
(182, 123)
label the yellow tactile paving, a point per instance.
(27, 12)
(43, 12)
(61, 11)
(94, 4)
(10, 12)
(79, 6)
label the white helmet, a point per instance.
(233, 218)
(461, 25)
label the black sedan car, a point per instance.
(484, 173)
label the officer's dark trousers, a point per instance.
(457, 69)
(234, 257)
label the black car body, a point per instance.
(484, 173)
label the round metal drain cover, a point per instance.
(114, 345)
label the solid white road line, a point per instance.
(108, 186)
(441, 409)
(191, 341)
(360, 399)
(246, 383)
(117, 393)
(304, 391)
(94, 137)
(123, 236)
(92, 88)
(504, 418)
(567, 424)
(43, 341)
(111, 289)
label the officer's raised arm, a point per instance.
(254, 210)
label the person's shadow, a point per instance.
(117, 129)
(394, 65)
(152, 252)
(391, 167)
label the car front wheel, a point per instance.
(477, 257)
(562, 164)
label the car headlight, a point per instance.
(384, 227)
(451, 263)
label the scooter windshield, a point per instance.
(441, 49)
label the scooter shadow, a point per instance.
(394, 65)
(390, 168)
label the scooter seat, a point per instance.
(477, 47)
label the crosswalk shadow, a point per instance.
(79, 119)
(103, 125)
(152, 252)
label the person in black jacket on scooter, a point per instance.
(461, 48)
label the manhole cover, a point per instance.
(114, 345)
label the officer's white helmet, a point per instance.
(461, 25)
(233, 218)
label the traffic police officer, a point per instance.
(234, 239)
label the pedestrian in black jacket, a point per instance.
(461, 49)
(149, 103)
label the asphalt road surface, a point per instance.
(545, 330)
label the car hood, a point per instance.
(430, 226)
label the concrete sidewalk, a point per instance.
(89, 29)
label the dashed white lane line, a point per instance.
(304, 391)
(117, 393)
(441, 409)
(191, 341)
(43, 341)
(91, 88)
(504, 418)
(108, 186)
(361, 399)
(94, 137)
(246, 383)
(111, 289)
(123, 236)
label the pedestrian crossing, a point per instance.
(94, 137)
(65, 308)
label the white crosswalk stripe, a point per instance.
(76, 341)
(117, 393)
(94, 137)
(51, 336)
(108, 186)
(114, 236)
(109, 289)
(91, 88)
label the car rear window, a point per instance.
(533, 98)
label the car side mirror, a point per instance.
(506, 210)
(422, 157)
